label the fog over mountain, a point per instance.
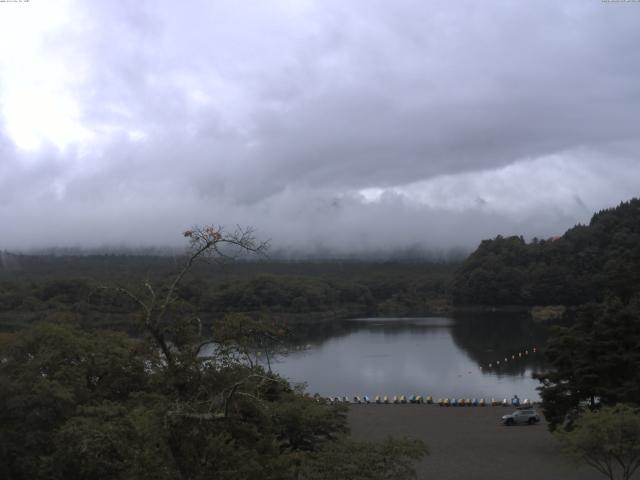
(358, 126)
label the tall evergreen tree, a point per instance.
(595, 361)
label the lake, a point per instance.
(441, 357)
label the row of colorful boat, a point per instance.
(443, 402)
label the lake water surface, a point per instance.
(442, 357)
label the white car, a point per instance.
(521, 417)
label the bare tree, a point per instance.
(205, 243)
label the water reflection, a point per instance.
(442, 357)
(490, 338)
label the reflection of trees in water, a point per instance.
(490, 337)
(484, 337)
(320, 332)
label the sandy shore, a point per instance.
(469, 442)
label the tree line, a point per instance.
(586, 264)
(295, 290)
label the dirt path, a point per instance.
(469, 442)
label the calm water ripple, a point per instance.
(442, 357)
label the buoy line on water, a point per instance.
(513, 357)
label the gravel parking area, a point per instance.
(469, 442)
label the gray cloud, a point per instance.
(351, 126)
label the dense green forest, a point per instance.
(585, 264)
(34, 287)
(595, 361)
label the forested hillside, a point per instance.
(585, 264)
(35, 287)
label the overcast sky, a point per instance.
(357, 125)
